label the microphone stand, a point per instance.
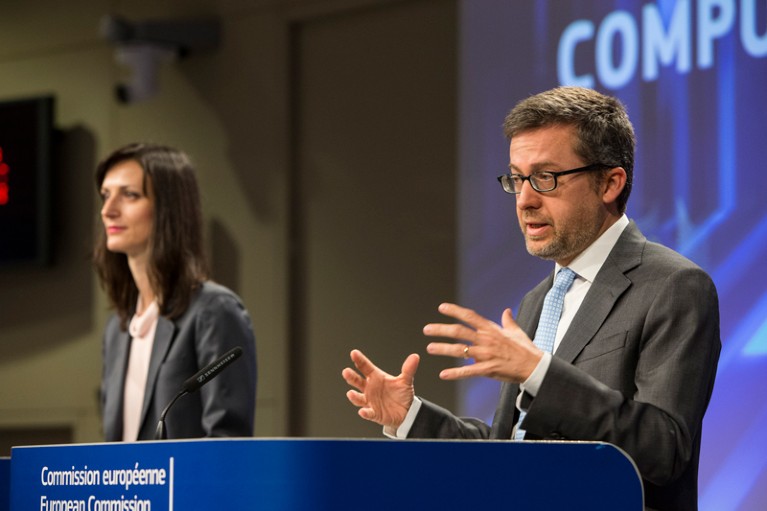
(192, 384)
(161, 433)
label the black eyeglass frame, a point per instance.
(505, 178)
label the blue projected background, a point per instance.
(693, 75)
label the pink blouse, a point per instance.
(141, 329)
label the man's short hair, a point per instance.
(604, 131)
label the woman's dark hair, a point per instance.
(177, 264)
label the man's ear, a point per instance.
(613, 184)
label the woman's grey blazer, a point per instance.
(215, 322)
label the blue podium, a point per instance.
(318, 474)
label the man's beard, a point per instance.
(566, 242)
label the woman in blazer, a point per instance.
(170, 320)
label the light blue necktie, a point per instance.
(547, 326)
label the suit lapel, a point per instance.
(162, 340)
(116, 388)
(506, 414)
(610, 283)
(529, 323)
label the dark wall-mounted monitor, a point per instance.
(26, 132)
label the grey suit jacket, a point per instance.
(636, 369)
(215, 322)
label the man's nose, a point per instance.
(527, 196)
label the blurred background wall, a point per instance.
(324, 135)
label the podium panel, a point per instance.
(5, 484)
(301, 474)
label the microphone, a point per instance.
(194, 383)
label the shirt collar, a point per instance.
(588, 263)
(139, 325)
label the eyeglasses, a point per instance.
(543, 181)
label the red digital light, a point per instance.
(4, 188)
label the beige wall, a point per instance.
(234, 111)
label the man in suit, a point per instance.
(636, 344)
